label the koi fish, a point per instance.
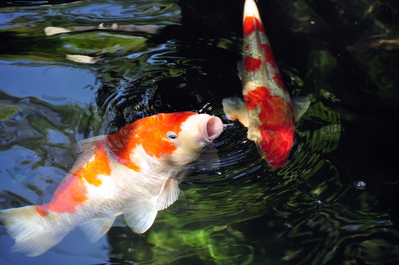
(134, 172)
(267, 109)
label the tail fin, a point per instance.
(33, 233)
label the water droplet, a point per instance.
(287, 225)
(318, 202)
(360, 185)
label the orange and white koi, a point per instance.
(134, 172)
(267, 109)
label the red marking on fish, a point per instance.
(278, 79)
(266, 110)
(269, 55)
(277, 128)
(272, 108)
(251, 24)
(252, 64)
(279, 147)
(67, 198)
(73, 192)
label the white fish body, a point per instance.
(134, 172)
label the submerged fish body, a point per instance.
(133, 172)
(267, 109)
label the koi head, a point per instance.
(196, 132)
(176, 136)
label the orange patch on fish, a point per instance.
(98, 165)
(73, 191)
(150, 133)
(120, 144)
(71, 194)
(41, 210)
(168, 122)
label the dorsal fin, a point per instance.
(86, 149)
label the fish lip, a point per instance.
(213, 127)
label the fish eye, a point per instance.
(171, 135)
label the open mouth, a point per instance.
(214, 127)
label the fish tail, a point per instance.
(33, 233)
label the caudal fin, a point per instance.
(33, 233)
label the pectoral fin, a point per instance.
(299, 105)
(169, 194)
(96, 228)
(140, 215)
(235, 109)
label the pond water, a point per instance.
(336, 201)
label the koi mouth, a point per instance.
(214, 127)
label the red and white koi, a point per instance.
(267, 109)
(134, 172)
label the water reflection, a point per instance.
(316, 210)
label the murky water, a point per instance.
(336, 201)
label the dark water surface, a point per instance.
(335, 203)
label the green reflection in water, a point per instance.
(99, 43)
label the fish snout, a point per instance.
(212, 129)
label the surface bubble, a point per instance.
(360, 185)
